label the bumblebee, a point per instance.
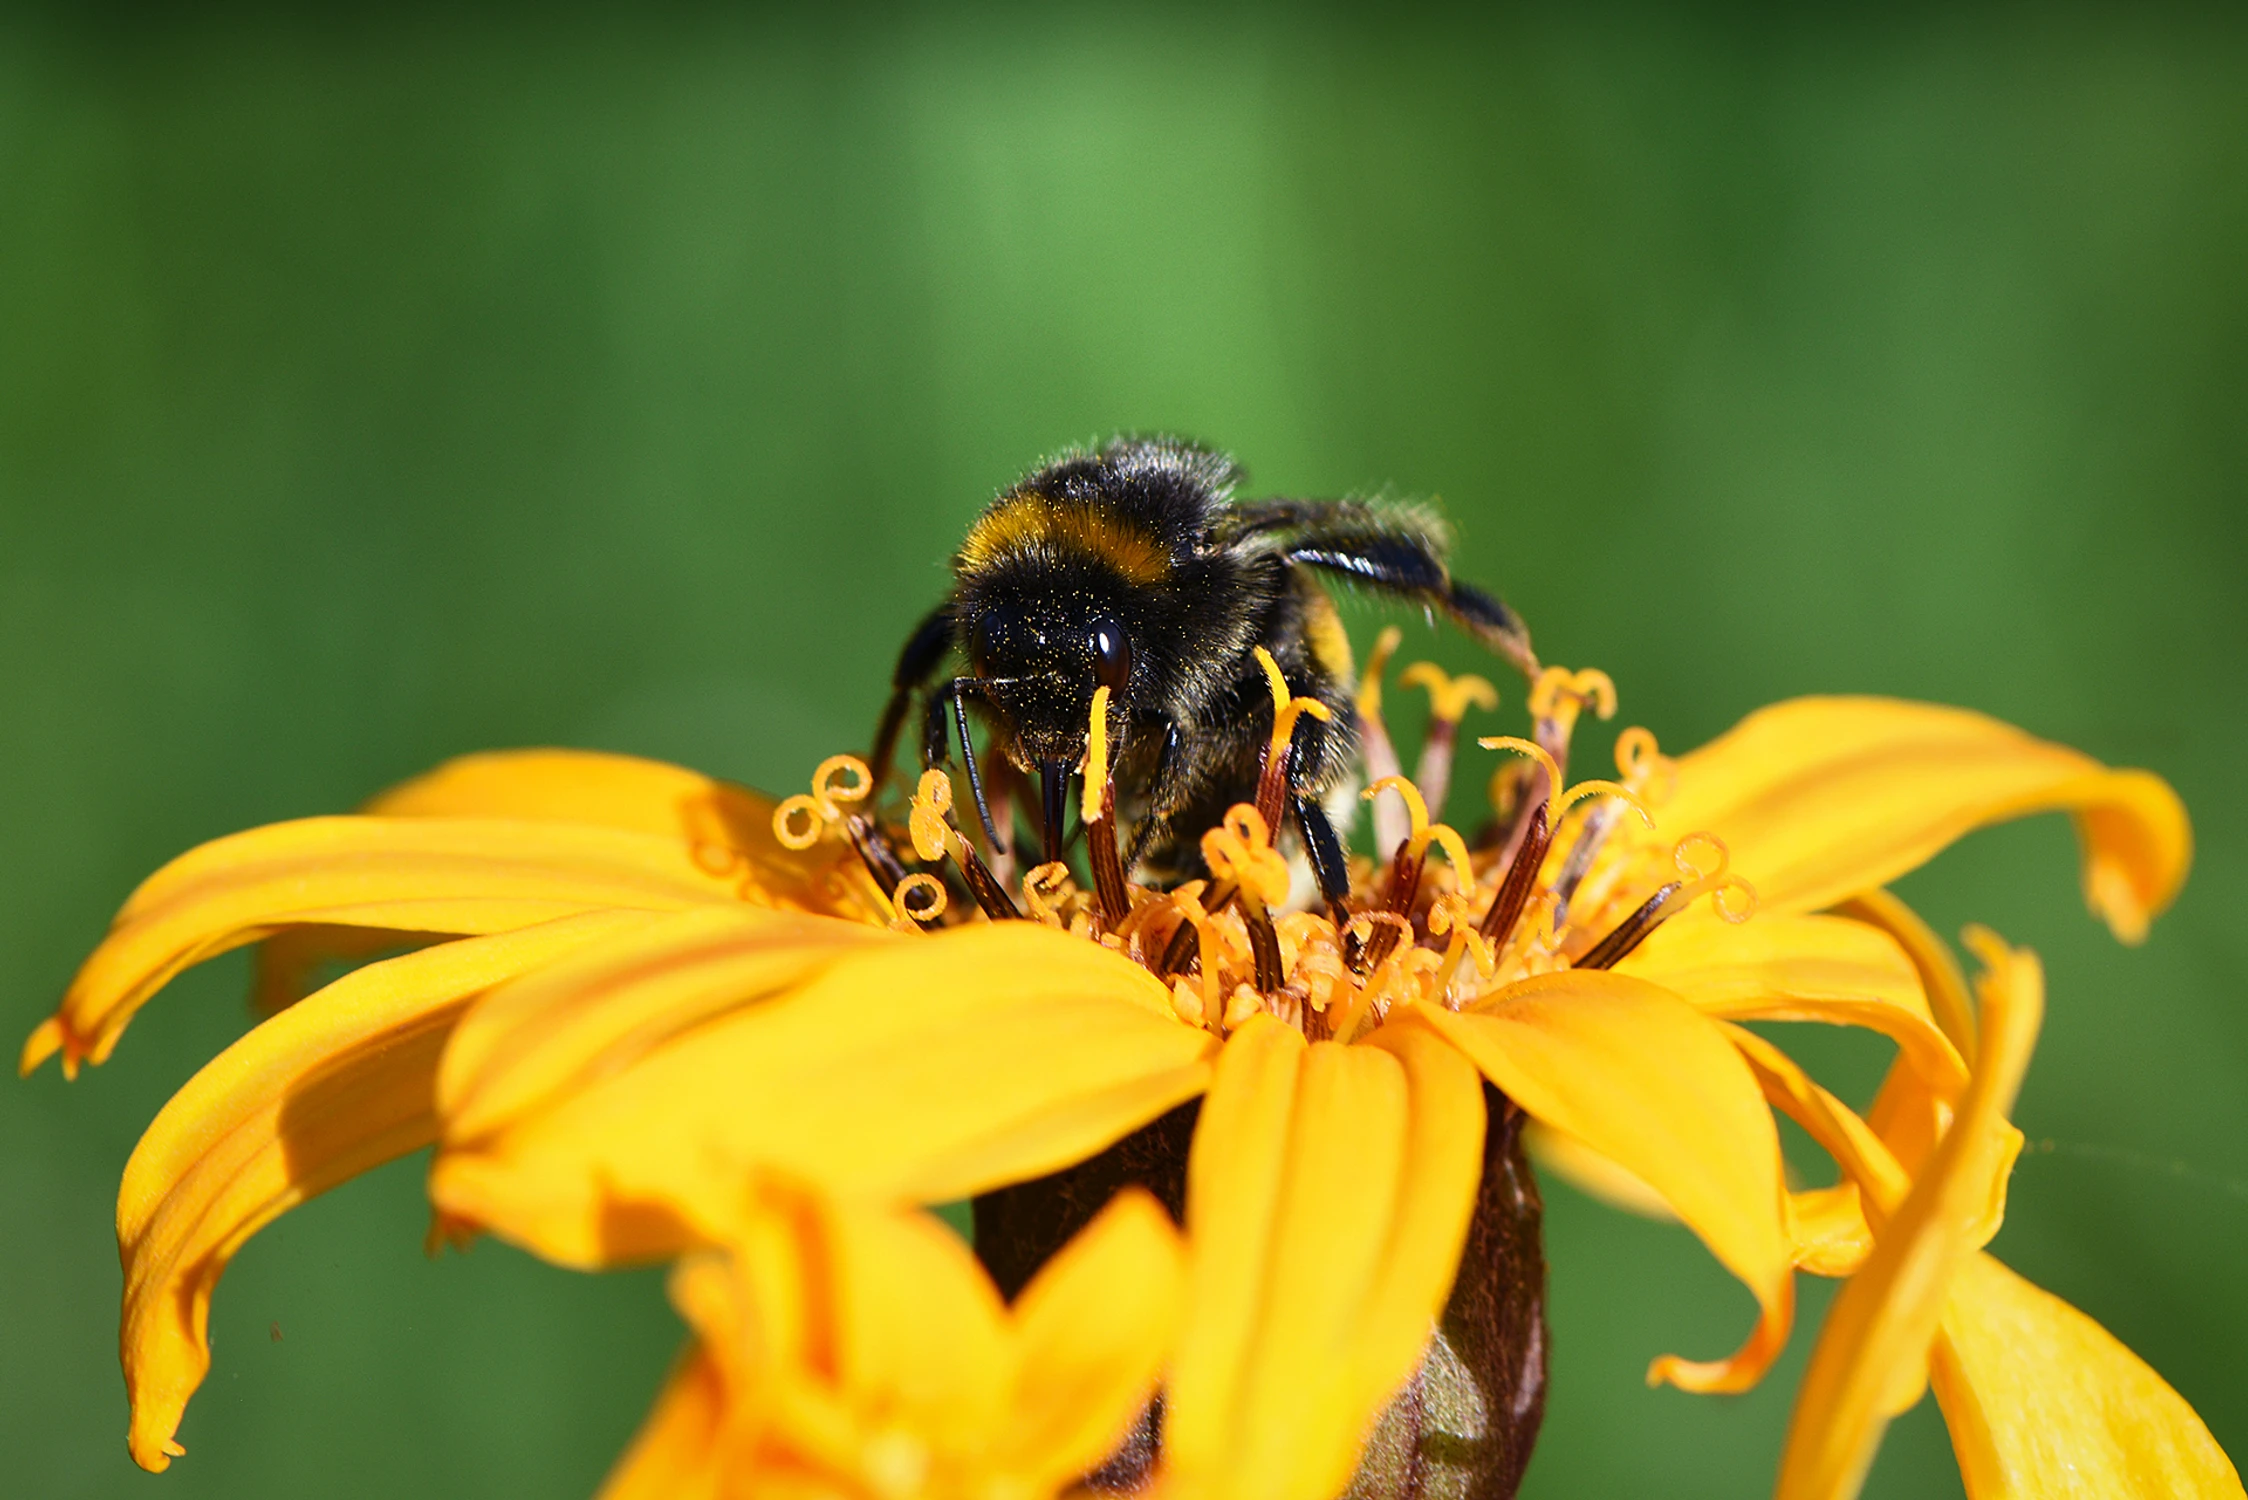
(1134, 567)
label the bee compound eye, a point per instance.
(992, 634)
(1112, 655)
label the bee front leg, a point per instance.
(1166, 793)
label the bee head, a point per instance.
(1041, 654)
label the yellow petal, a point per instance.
(1590, 1173)
(919, 1069)
(320, 1093)
(728, 828)
(1822, 798)
(1643, 1079)
(288, 964)
(2043, 1403)
(1092, 1330)
(1871, 1358)
(1328, 1196)
(1940, 978)
(676, 1454)
(414, 875)
(1801, 968)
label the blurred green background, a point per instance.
(372, 391)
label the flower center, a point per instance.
(1566, 876)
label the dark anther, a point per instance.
(1573, 868)
(1181, 950)
(875, 852)
(1110, 898)
(1521, 876)
(1053, 790)
(1404, 889)
(1264, 946)
(1631, 931)
(985, 887)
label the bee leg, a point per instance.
(1400, 552)
(1324, 849)
(1166, 791)
(917, 661)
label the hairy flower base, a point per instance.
(637, 992)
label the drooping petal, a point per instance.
(2043, 1403)
(322, 1092)
(1643, 1079)
(677, 1453)
(850, 1349)
(1328, 1196)
(441, 876)
(1871, 1359)
(1822, 798)
(1091, 1332)
(728, 827)
(1803, 968)
(919, 1069)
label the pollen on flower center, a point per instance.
(1566, 875)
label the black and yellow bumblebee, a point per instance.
(1135, 567)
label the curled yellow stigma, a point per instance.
(1449, 697)
(1416, 806)
(1240, 850)
(1599, 788)
(1377, 661)
(1531, 748)
(932, 808)
(1285, 709)
(799, 821)
(1705, 865)
(1447, 838)
(920, 898)
(1046, 891)
(1560, 695)
(1096, 758)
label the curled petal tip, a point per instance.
(44, 1042)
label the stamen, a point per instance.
(1374, 747)
(796, 822)
(1449, 699)
(1676, 896)
(1272, 775)
(1096, 758)
(1046, 889)
(1097, 812)
(826, 794)
(1590, 837)
(1560, 695)
(876, 852)
(1416, 808)
(1633, 930)
(1514, 891)
(935, 836)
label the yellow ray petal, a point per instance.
(1871, 1358)
(414, 875)
(1328, 1197)
(921, 1069)
(1821, 798)
(2043, 1403)
(1641, 1078)
(1803, 968)
(1091, 1332)
(676, 1454)
(318, 1094)
(729, 828)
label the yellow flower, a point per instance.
(852, 1350)
(657, 987)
